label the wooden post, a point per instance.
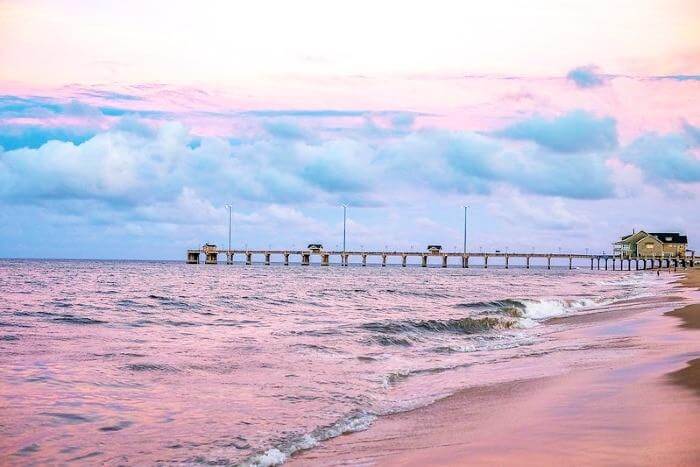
(305, 259)
(424, 261)
(465, 261)
(286, 259)
(486, 261)
(383, 260)
(570, 262)
(404, 258)
(527, 262)
(507, 261)
(325, 259)
(591, 263)
(444, 261)
(248, 259)
(549, 262)
(267, 259)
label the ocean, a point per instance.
(161, 362)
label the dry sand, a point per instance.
(639, 409)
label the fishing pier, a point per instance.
(444, 259)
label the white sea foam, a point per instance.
(536, 311)
(279, 454)
(269, 458)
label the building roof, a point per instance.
(674, 237)
(670, 237)
(632, 238)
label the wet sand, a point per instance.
(631, 407)
(689, 314)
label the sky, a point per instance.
(126, 126)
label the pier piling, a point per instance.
(193, 257)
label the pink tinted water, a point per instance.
(139, 362)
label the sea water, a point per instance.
(145, 362)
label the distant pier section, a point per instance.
(621, 262)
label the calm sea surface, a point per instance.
(146, 362)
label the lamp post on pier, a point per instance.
(464, 249)
(345, 208)
(229, 206)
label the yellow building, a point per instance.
(652, 245)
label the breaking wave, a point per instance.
(529, 311)
(465, 325)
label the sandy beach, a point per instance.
(633, 405)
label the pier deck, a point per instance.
(599, 261)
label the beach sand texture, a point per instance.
(636, 408)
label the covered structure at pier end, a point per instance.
(651, 245)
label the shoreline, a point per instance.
(635, 410)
